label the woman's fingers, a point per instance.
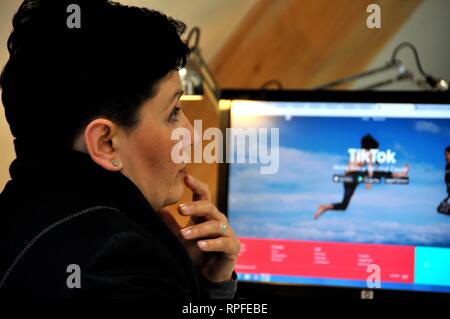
(202, 208)
(200, 190)
(227, 245)
(209, 229)
(212, 232)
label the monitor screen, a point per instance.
(333, 193)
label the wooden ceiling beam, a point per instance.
(305, 43)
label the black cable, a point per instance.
(433, 82)
(414, 50)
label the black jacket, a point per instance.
(64, 210)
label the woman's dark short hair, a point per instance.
(447, 150)
(58, 78)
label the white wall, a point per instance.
(428, 28)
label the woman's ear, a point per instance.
(99, 138)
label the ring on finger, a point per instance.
(223, 228)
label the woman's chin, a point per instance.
(175, 193)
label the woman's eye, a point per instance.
(174, 113)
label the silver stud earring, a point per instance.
(115, 162)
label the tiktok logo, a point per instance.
(372, 156)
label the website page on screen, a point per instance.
(359, 188)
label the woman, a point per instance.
(92, 108)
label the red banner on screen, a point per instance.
(325, 259)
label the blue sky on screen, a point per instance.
(282, 205)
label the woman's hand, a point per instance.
(210, 241)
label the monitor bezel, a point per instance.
(249, 289)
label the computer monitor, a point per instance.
(358, 199)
